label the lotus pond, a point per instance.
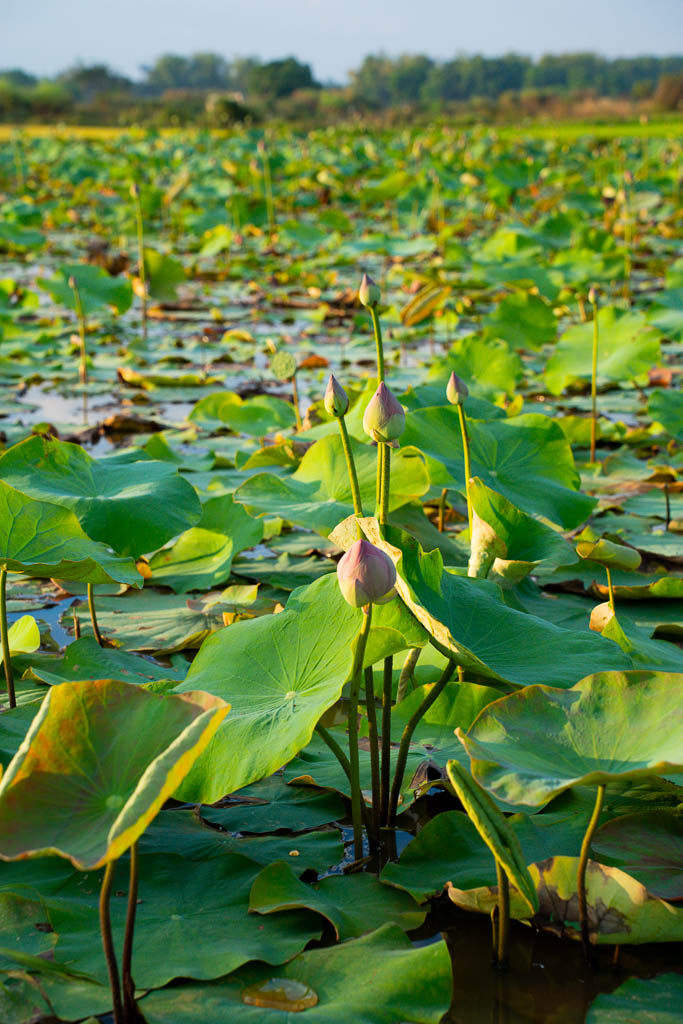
(341, 549)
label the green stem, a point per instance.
(108, 942)
(344, 763)
(466, 457)
(610, 588)
(93, 616)
(378, 344)
(442, 509)
(83, 366)
(295, 399)
(374, 748)
(594, 382)
(386, 481)
(503, 922)
(581, 873)
(379, 480)
(351, 468)
(126, 967)
(434, 693)
(268, 189)
(385, 769)
(356, 674)
(140, 229)
(7, 661)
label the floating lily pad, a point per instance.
(648, 846)
(640, 1001)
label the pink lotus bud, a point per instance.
(456, 390)
(369, 293)
(365, 575)
(384, 418)
(336, 399)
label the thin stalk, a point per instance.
(379, 345)
(436, 690)
(108, 943)
(379, 480)
(461, 674)
(385, 770)
(126, 967)
(406, 675)
(667, 504)
(466, 457)
(386, 481)
(356, 674)
(628, 243)
(83, 366)
(610, 588)
(351, 468)
(268, 188)
(93, 615)
(140, 229)
(295, 399)
(503, 918)
(442, 509)
(374, 748)
(344, 763)
(7, 661)
(583, 863)
(594, 381)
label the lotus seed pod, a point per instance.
(336, 399)
(456, 390)
(384, 418)
(365, 575)
(369, 293)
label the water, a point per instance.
(281, 994)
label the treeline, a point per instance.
(206, 87)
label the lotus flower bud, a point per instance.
(384, 418)
(366, 575)
(336, 399)
(134, 190)
(456, 390)
(369, 293)
(592, 295)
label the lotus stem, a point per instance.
(108, 942)
(610, 588)
(80, 316)
(385, 770)
(466, 457)
(407, 673)
(385, 456)
(442, 509)
(126, 967)
(594, 377)
(140, 229)
(356, 674)
(581, 873)
(351, 468)
(267, 187)
(295, 400)
(93, 615)
(503, 918)
(667, 504)
(344, 763)
(434, 693)
(7, 661)
(378, 344)
(374, 748)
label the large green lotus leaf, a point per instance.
(649, 846)
(15, 724)
(202, 557)
(96, 288)
(635, 642)
(148, 620)
(626, 584)
(354, 904)
(52, 991)
(523, 320)
(457, 706)
(256, 416)
(191, 922)
(285, 572)
(620, 910)
(23, 637)
(526, 458)
(532, 745)
(38, 538)
(162, 275)
(468, 618)
(318, 495)
(133, 507)
(666, 407)
(97, 764)
(487, 366)
(280, 679)
(640, 1001)
(628, 347)
(23, 927)
(270, 805)
(85, 659)
(377, 979)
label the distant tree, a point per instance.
(85, 82)
(280, 78)
(168, 72)
(15, 76)
(372, 81)
(408, 76)
(669, 92)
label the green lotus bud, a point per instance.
(592, 295)
(369, 293)
(134, 190)
(456, 390)
(366, 575)
(384, 418)
(336, 399)
(606, 552)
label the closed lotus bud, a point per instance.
(134, 190)
(369, 293)
(456, 390)
(366, 575)
(592, 295)
(384, 418)
(336, 399)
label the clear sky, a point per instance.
(45, 36)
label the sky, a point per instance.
(46, 36)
